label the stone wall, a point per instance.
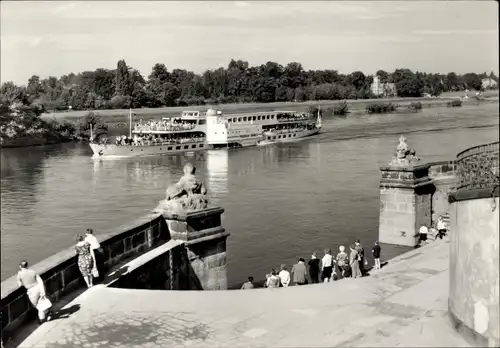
(473, 305)
(205, 242)
(172, 252)
(61, 274)
(405, 203)
(443, 175)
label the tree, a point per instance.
(473, 81)
(434, 84)
(34, 88)
(123, 83)
(358, 79)
(383, 76)
(408, 84)
(99, 129)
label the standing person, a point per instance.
(35, 289)
(441, 227)
(85, 260)
(314, 268)
(343, 261)
(96, 251)
(248, 285)
(423, 234)
(327, 265)
(354, 262)
(299, 272)
(376, 255)
(361, 256)
(273, 281)
(284, 276)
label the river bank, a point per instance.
(117, 119)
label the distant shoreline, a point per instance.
(235, 108)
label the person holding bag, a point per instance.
(35, 290)
(85, 259)
(96, 251)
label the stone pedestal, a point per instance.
(405, 203)
(205, 242)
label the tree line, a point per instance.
(125, 87)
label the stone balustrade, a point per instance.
(61, 274)
(477, 167)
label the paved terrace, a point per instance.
(404, 304)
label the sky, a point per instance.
(47, 38)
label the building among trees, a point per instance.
(384, 89)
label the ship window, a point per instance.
(202, 122)
(258, 117)
(131, 149)
(294, 134)
(228, 120)
(177, 147)
(186, 146)
(274, 138)
(169, 148)
(289, 135)
(272, 117)
(267, 117)
(239, 119)
(244, 119)
(193, 146)
(254, 118)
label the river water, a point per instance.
(281, 201)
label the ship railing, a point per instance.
(153, 128)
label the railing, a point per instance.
(156, 128)
(477, 167)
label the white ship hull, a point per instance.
(276, 138)
(121, 151)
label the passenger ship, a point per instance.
(196, 131)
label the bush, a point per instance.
(99, 129)
(121, 102)
(415, 106)
(454, 103)
(380, 108)
(341, 109)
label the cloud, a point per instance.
(454, 32)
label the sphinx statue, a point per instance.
(405, 156)
(188, 194)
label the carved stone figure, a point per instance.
(405, 156)
(188, 194)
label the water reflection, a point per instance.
(216, 167)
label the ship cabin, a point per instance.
(189, 127)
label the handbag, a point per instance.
(95, 272)
(43, 304)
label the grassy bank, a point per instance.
(119, 118)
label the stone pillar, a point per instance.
(405, 203)
(205, 242)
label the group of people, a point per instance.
(156, 139)
(327, 269)
(163, 125)
(291, 117)
(89, 253)
(440, 231)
